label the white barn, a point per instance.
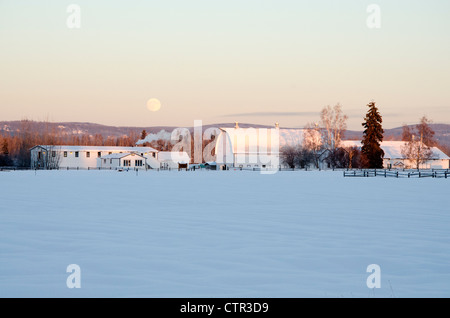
(254, 147)
(248, 148)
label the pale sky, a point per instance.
(217, 61)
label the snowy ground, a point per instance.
(222, 234)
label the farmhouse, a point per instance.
(90, 157)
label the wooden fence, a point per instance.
(434, 173)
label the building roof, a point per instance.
(121, 155)
(99, 148)
(393, 149)
(175, 156)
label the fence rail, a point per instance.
(434, 173)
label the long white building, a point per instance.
(91, 157)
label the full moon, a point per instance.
(153, 105)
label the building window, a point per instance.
(127, 163)
(77, 154)
(104, 161)
(53, 154)
(39, 155)
(154, 154)
(99, 154)
(88, 154)
(65, 154)
(138, 163)
(110, 161)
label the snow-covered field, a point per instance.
(222, 234)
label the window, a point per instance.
(154, 154)
(99, 154)
(88, 154)
(65, 154)
(110, 161)
(39, 155)
(104, 161)
(138, 163)
(53, 154)
(77, 154)
(127, 163)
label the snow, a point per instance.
(175, 156)
(100, 148)
(222, 234)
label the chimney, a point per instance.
(236, 125)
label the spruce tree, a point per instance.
(372, 137)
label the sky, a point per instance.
(251, 61)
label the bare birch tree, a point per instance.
(334, 124)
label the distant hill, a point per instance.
(76, 128)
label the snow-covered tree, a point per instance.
(312, 142)
(417, 152)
